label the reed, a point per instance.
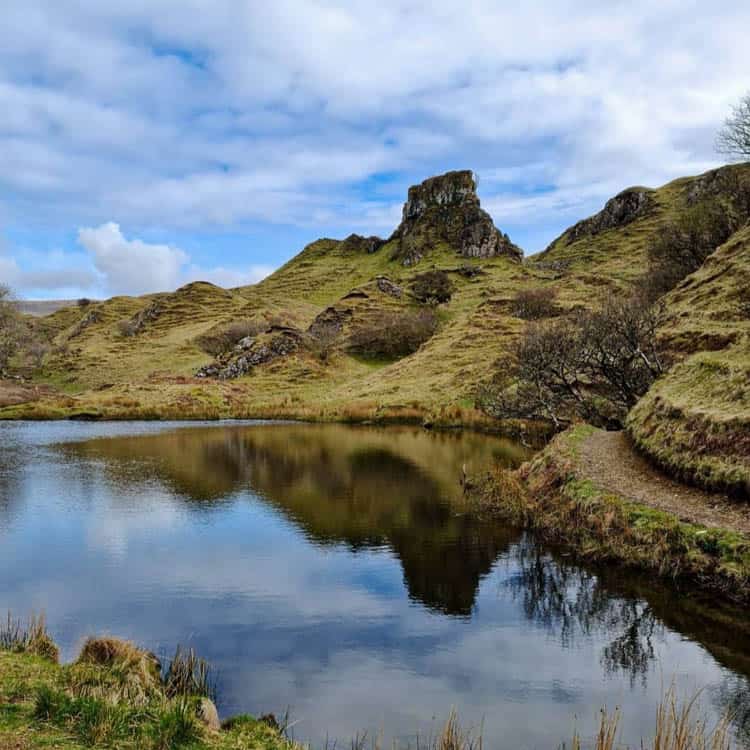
(189, 675)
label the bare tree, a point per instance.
(11, 328)
(594, 366)
(734, 138)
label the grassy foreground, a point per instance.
(551, 496)
(113, 696)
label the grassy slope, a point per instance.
(696, 420)
(22, 675)
(151, 374)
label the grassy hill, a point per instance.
(140, 357)
(696, 420)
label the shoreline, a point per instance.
(551, 496)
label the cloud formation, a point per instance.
(137, 267)
(194, 116)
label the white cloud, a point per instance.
(137, 267)
(195, 114)
(132, 266)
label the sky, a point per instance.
(149, 143)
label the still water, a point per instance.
(337, 572)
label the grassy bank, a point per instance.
(551, 496)
(115, 695)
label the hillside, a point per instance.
(696, 420)
(446, 274)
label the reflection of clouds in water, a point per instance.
(333, 633)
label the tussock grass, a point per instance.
(189, 675)
(31, 638)
(175, 727)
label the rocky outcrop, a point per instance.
(625, 207)
(91, 317)
(445, 210)
(148, 315)
(251, 352)
(329, 323)
(386, 286)
(355, 243)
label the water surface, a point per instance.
(336, 571)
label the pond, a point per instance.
(337, 572)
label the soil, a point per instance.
(611, 462)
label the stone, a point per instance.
(445, 210)
(280, 341)
(355, 243)
(385, 285)
(208, 715)
(329, 323)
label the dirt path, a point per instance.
(609, 460)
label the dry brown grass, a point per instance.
(112, 669)
(31, 638)
(678, 726)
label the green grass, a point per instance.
(695, 421)
(43, 705)
(552, 497)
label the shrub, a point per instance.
(535, 304)
(37, 351)
(684, 245)
(224, 338)
(392, 335)
(83, 302)
(127, 328)
(432, 286)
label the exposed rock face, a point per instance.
(148, 315)
(329, 323)
(385, 285)
(445, 210)
(617, 212)
(355, 243)
(253, 351)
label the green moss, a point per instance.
(552, 497)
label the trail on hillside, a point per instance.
(611, 462)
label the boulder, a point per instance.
(208, 715)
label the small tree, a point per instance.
(734, 138)
(594, 365)
(11, 328)
(535, 304)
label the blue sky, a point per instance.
(147, 143)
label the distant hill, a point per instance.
(39, 308)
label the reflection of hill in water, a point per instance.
(358, 486)
(399, 487)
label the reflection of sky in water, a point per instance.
(331, 633)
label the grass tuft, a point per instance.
(32, 638)
(189, 675)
